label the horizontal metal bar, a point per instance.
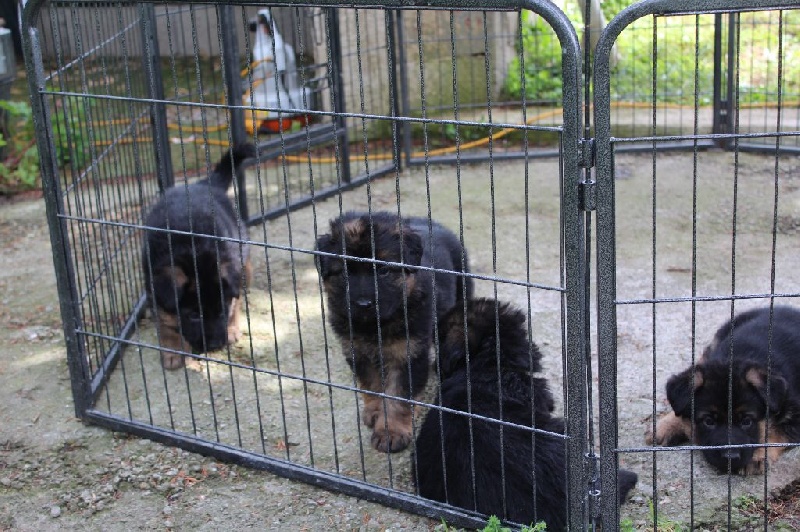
(287, 143)
(472, 157)
(319, 478)
(650, 301)
(676, 448)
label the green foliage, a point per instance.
(69, 123)
(494, 525)
(664, 524)
(683, 47)
(541, 57)
(19, 169)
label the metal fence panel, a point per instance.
(144, 97)
(685, 242)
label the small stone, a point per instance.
(167, 510)
(55, 511)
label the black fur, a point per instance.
(384, 314)
(194, 278)
(765, 377)
(535, 479)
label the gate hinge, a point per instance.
(587, 153)
(587, 191)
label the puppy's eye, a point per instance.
(384, 270)
(709, 422)
(746, 422)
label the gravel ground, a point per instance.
(56, 472)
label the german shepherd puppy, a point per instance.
(384, 314)
(194, 281)
(745, 390)
(487, 364)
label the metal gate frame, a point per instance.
(722, 136)
(581, 196)
(86, 386)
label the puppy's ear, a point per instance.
(412, 247)
(169, 286)
(680, 388)
(324, 244)
(775, 394)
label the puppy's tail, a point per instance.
(223, 173)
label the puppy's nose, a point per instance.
(732, 454)
(363, 303)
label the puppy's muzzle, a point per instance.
(363, 304)
(732, 454)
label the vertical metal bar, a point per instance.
(405, 102)
(720, 124)
(605, 249)
(730, 103)
(575, 264)
(233, 82)
(337, 89)
(155, 91)
(69, 301)
(394, 106)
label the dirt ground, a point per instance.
(56, 472)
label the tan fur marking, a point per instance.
(384, 255)
(698, 378)
(352, 229)
(392, 353)
(176, 273)
(234, 317)
(755, 377)
(770, 454)
(169, 337)
(389, 419)
(668, 428)
(411, 282)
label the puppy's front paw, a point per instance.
(755, 467)
(390, 440)
(171, 360)
(670, 430)
(234, 334)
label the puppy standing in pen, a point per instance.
(487, 364)
(194, 263)
(385, 314)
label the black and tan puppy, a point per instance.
(384, 314)
(465, 461)
(194, 281)
(745, 390)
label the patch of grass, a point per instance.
(493, 525)
(662, 524)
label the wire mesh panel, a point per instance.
(696, 276)
(200, 302)
(511, 60)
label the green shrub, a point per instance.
(541, 55)
(19, 169)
